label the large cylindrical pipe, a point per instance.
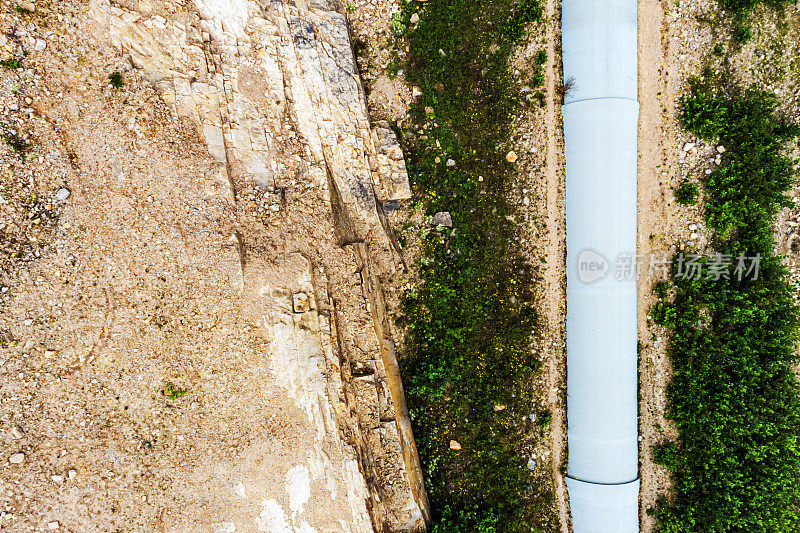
(600, 132)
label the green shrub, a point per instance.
(12, 64)
(116, 80)
(743, 34)
(719, 49)
(667, 455)
(541, 57)
(743, 7)
(687, 193)
(734, 395)
(514, 26)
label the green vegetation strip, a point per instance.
(470, 320)
(734, 395)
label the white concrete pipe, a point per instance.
(600, 130)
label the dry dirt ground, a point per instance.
(676, 42)
(174, 335)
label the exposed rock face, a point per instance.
(198, 338)
(274, 92)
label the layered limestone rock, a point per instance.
(273, 91)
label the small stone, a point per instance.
(429, 110)
(57, 479)
(688, 146)
(692, 227)
(721, 149)
(640, 438)
(499, 407)
(443, 218)
(511, 157)
(52, 526)
(62, 194)
(28, 321)
(416, 92)
(708, 171)
(300, 302)
(450, 163)
(27, 5)
(17, 432)
(454, 445)
(72, 473)
(693, 236)
(414, 18)
(16, 458)
(40, 45)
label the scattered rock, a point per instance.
(450, 163)
(511, 157)
(443, 218)
(416, 92)
(62, 194)
(688, 146)
(52, 526)
(16, 458)
(72, 473)
(40, 45)
(57, 479)
(17, 432)
(414, 18)
(721, 149)
(692, 227)
(454, 445)
(499, 407)
(30, 6)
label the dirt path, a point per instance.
(650, 218)
(555, 275)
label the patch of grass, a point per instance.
(541, 57)
(544, 419)
(394, 66)
(514, 27)
(116, 80)
(744, 7)
(172, 392)
(12, 64)
(734, 395)
(22, 10)
(17, 143)
(687, 193)
(719, 50)
(470, 318)
(743, 34)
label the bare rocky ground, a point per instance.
(198, 273)
(676, 43)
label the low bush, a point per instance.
(687, 193)
(734, 395)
